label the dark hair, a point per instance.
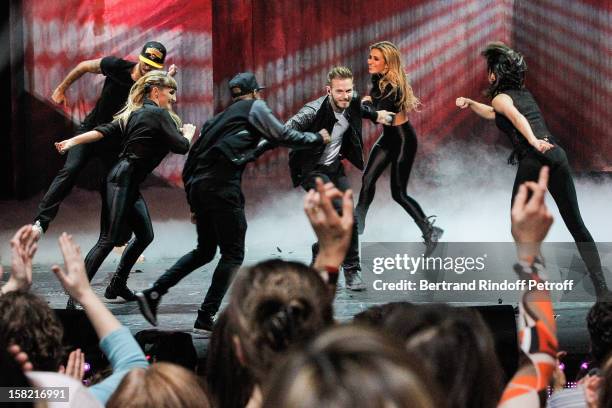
(599, 323)
(229, 383)
(27, 320)
(339, 72)
(350, 366)
(275, 305)
(377, 315)
(605, 387)
(508, 66)
(457, 348)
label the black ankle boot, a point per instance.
(118, 287)
(431, 234)
(360, 215)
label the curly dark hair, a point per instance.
(508, 65)
(27, 320)
(599, 323)
(275, 305)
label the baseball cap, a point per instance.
(244, 83)
(153, 53)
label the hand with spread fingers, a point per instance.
(75, 367)
(23, 248)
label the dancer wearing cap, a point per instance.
(212, 178)
(120, 76)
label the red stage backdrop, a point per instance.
(568, 48)
(291, 45)
(60, 34)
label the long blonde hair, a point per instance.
(142, 88)
(396, 77)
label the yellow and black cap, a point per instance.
(244, 83)
(153, 53)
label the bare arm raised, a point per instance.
(92, 66)
(481, 109)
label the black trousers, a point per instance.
(335, 173)
(124, 211)
(396, 147)
(562, 190)
(78, 157)
(224, 228)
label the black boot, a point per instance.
(148, 301)
(360, 215)
(71, 304)
(204, 322)
(118, 287)
(353, 281)
(601, 288)
(431, 234)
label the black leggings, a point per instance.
(124, 211)
(396, 146)
(562, 190)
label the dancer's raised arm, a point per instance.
(481, 109)
(87, 137)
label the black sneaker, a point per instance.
(353, 281)
(71, 305)
(204, 322)
(118, 287)
(148, 301)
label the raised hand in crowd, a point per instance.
(332, 229)
(23, 248)
(75, 367)
(74, 280)
(531, 219)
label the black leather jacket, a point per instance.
(317, 115)
(236, 132)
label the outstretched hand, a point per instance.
(531, 219)
(23, 248)
(172, 70)
(542, 146)
(333, 230)
(59, 96)
(75, 367)
(63, 146)
(188, 131)
(462, 102)
(73, 276)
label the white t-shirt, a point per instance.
(332, 150)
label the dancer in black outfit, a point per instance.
(120, 76)
(212, 177)
(148, 130)
(339, 112)
(398, 144)
(517, 114)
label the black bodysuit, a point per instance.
(397, 147)
(560, 185)
(149, 135)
